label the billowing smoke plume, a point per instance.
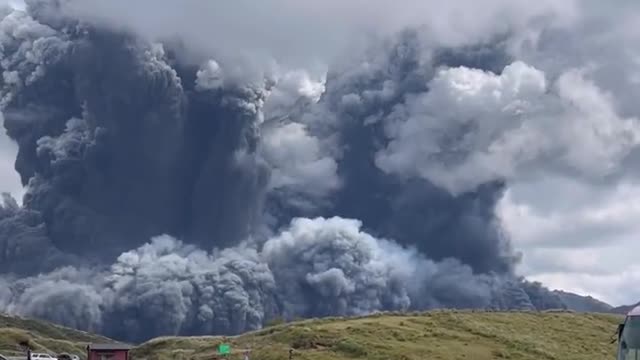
(314, 267)
(165, 197)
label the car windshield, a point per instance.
(630, 339)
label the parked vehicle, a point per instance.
(65, 356)
(629, 336)
(42, 356)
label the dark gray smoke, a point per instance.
(314, 267)
(410, 211)
(122, 141)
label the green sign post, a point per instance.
(224, 349)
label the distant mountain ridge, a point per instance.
(582, 303)
(624, 308)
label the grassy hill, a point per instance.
(445, 335)
(42, 336)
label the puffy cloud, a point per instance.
(571, 214)
(300, 167)
(576, 237)
(290, 88)
(300, 36)
(474, 126)
(210, 77)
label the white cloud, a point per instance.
(9, 178)
(290, 87)
(311, 32)
(299, 164)
(615, 289)
(474, 126)
(209, 76)
(589, 216)
(577, 237)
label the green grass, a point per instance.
(444, 335)
(43, 337)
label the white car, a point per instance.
(40, 356)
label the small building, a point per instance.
(108, 352)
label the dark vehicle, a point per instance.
(66, 356)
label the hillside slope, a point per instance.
(583, 303)
(444, 335)
(624, 308)
(42, 337)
